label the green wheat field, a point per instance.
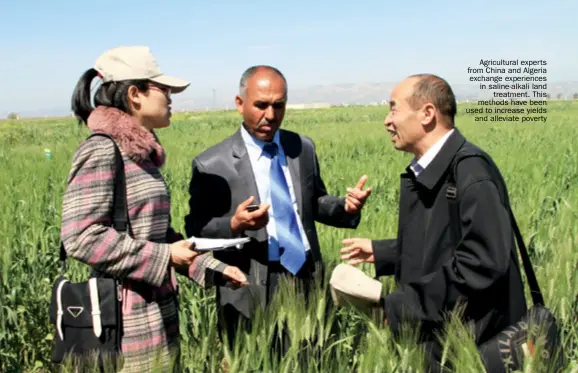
(539, 162)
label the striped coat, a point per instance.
(150, 306)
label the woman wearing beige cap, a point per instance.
(132, 101)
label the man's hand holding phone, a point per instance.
(252, 208)
(249, 216)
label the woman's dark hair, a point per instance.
(112, 94)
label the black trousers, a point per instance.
(230, 320)
(433, 356)
(303, 281)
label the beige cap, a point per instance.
(135, 62)
(350, 285)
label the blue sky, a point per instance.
(46, 45)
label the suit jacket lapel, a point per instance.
(292, 152)
(242, 165)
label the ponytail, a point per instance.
(111, 94)
(81, 102)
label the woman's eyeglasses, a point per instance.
(165, 90)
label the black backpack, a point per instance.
(507, 350)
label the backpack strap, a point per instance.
(120, 209)
(452, 196)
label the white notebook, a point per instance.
(217, 244)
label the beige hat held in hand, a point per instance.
(350, 285)
(135, 63)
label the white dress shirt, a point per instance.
(417, 166)
(261, 164)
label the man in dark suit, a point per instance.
(441, 259)
(278, 171)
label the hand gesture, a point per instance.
(246, 220)
(356, 197)
(236, 275)
(358, 250)
(182, 254)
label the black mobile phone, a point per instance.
(252, 208)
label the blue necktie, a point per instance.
(290, 244)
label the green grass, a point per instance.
(538, 162)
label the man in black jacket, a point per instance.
(239, 171)
(439, 261)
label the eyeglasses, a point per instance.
(165, 90)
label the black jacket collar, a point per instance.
(432, 174)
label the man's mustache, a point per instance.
(266, 124)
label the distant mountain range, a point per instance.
(352, 94)
(334, 94)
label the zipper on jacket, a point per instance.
(119, 292)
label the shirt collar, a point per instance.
(417, 166)
(257, 144)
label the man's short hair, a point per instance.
(251, 71)
(432, 88)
